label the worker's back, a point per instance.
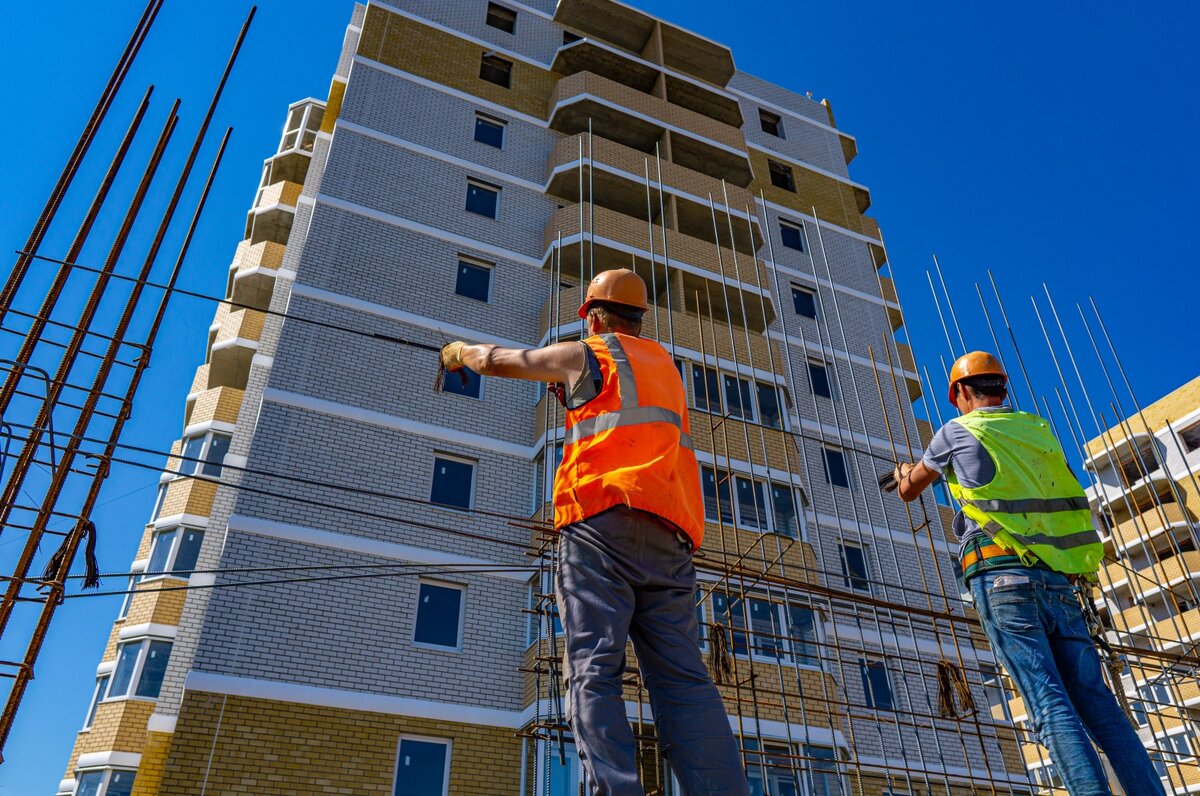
(630, 444)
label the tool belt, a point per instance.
(979, 555)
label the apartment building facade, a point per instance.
(1147, 493)
(379, 620)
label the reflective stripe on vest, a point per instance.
(1034, 505)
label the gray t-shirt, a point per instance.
(955, 447)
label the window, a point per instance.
(818, 379)
(791, 771)
(996, 691)
(780, 631)
(784, 513)
(108, 782)
(496, 70)
(483, 199)
(716, 495)
(875, 684)
(1152, 697)
(489, 131)
(140, 668)
(768, 405)
(751, 504)
(472, 388)
(97, 695)
(551, 606)
(300, 132)
(854, 568)
(792, 235)
(158, 501)
(805, 301)
(123, 611)
(174, 551)
(439, 615)
(564, 772)
(706, 392)
(423, 767)
(502, 18)
(1190, 437)
(203, 454)
(771, 123)
(473, 279)
(540, 487)
(781, 176)
(453, 482)
(737, 397)
(836, 472)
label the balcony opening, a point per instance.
(501, 18)
(771, 123)
(781, 176)
(496, 70)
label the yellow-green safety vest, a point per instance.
(1034, 505)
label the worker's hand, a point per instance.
(559, 391)
(902, 470)
(452, 356)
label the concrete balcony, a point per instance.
(637, 32)
(253, 272)
(234, 339)
(1154, 578)
(221, 404)
(1118, 498)
(887, 289)
(627, 116)
(621, 241)
(1150, 524)
(620, 184)
(274, 209)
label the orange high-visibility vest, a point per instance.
(631, 444)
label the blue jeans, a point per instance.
(1038, 632)
(624, 574)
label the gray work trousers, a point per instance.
(625, 574)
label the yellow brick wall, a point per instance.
(451, 61)
(118, 726)
(277, 747)
(1171, 407)
(154, 761)
(834, 200)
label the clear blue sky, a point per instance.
(1048, 142)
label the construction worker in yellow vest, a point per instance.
(1025, 538)
(629, 511)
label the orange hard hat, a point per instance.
(619, 286)
(975, 363)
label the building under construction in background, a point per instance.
(345, 583)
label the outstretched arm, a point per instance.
(913, 479)
(561, 362)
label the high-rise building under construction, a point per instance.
(346, 581)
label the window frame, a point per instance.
(101, 687)
(488, 187)
(826, 452)
(474, 465)
(460, 633)
(139, 667)
(825, 367)
(481, 265)
(1189, 437)
(494, 7)
(870, 692)
(801, 235)
(785, 642)
(849, 578)
(447, 742)
(200, 466)
(106, 775)
(499, 124)
(491, 63)
(172, 556)
(807, 291)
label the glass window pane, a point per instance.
(453, 383)
(802, 632)
(764, 622)
(818, 379)
(158, 502)
(732, 614)
(124, 611)
(792, 236)
(438, 612)
(564, 777)
(823, 763)
(120, 783)
(752, 504)
(89, 783)
(854, 568)
(804, 301)
(97, 697)
(473, 281)
(160, 556)
(482, 200)
(737, 397)
(768, 405)
(489, 132)
(706, 393)
(835, 468)
(153, 669)
(216, 454)
(452, 483)
(716, 495)
(189, 550)
(784, 501)
(123, 674)
(421, 770)
(875, 684)
(191, 451)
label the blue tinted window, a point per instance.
(805, 301)
(473, 281)
(737, 397)
(454, 383)
(783, 509)
(120, 783)
(752, 506)
(438, 611)
(216, 454)
(818, 378)
(835, 468)
(153, 669)
(421, 769)
(490, 132)
(875, 684)
(706, 393)
(854, 568)
(189, 550)
(483, 199)
(715, 494)
(792, 236)
(768, 405)
(452, 482)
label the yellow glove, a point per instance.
(452, 356)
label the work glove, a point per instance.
(450, 359)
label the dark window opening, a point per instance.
(818, 379)
(805, 301)
(792, 235)
(781, 176)
(716, 495)
(835, 468)
(854, 568)
(473, 281)
(569, 37)
(496, 70)
(439, 612)
(875, 684)
(706, 391)
(452, 481)
(771, 123)
(768, 405)
(502, 18)
(483, 199)
(453, 383)
(489, 131)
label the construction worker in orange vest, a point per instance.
(1025, 537)
(629, 511)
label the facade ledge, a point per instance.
(103, 759)
(148, 629)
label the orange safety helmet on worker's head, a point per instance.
(975, 363)
(618, 286)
